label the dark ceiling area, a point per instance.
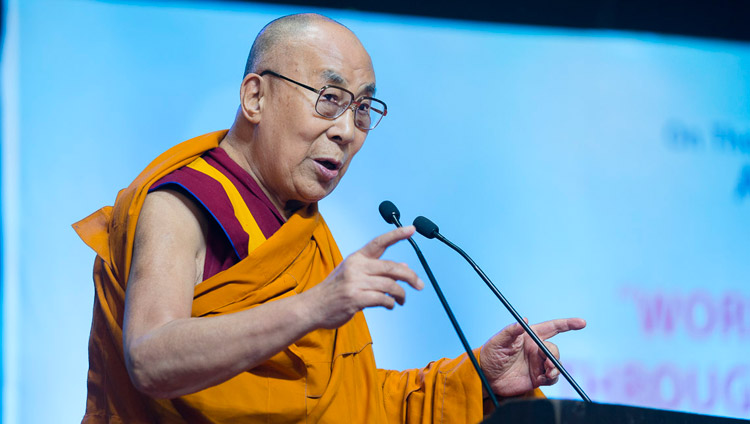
(727, 19)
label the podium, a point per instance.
(556, 411)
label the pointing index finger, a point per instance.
(376, 247)
(548, 329)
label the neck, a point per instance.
(235, 145)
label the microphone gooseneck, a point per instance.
(430, 230)
(391, 215)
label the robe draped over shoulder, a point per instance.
(327, 376)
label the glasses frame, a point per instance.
(353, 104)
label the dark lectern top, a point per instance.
(556, 411)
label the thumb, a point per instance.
(509, 334)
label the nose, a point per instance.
(343, 130)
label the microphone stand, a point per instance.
(515, 314)
(394, 220)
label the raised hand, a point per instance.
(514, 364)
(363, 280)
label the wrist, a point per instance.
(305, 315)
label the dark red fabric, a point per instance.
(227, 241)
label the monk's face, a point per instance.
(302, 154)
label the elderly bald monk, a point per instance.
(221, 296)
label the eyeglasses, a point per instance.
(333, 101)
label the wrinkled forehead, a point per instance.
(330, 54)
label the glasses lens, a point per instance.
(369, 113)
(332, 102)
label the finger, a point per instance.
(397, 271)
(544, 363)
(376, 298)
(551, 370)
(388, 286)
(548, 374)
(553, 327)
(549, 366)
(552, 376)
(553, 349)
(375, 248)
(542, 360)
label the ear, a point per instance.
(251, 95)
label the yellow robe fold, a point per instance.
(328, 376)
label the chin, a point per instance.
(317, 191)
(326, 189)
(314, 197)
(320, 197)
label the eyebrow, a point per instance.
(335, 78)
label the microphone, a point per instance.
(430, 230)
(391, 215)
(389, 212)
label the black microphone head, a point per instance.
(426, 227)
(388, 210)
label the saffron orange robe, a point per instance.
(327, 376)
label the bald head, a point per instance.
(296, 153)
(278, 35)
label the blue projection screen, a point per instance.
(597, 174)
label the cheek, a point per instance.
(292, 160)
(354, 148)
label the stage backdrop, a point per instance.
(597, 174)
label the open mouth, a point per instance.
(328, 164)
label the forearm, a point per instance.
(190, 354)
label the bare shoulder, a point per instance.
(171, 232)
(168, 255)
